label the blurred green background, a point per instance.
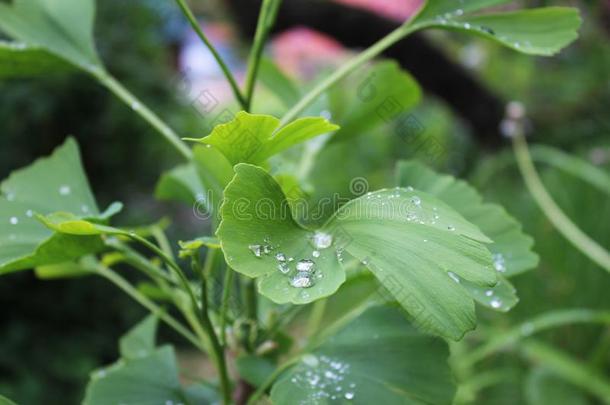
(53, 333)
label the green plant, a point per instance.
(375, 276)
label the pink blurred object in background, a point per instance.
(398, 10)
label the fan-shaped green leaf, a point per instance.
(418, 248)
(56, 183)
(377, 358)
(62, 27)
(541, 31)
(250, 138)
(511, 247)
(140, 340)
(261, 239)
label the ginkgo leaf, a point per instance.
(62, 27)
(145, 374)
(260, 238)
(539, 31)
(253, 138)
(418, 248)
(376, 358)
(55, 183)
(406, 238)
(511, 248)
(21, 60)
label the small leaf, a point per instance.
(21, 60)
(152, 379)
(511, 247)
(501, 297)
(418, 247)
(377, 358)
(56, 183)
(140, 340)
(541, 31)
(62, 27)
(180, 184)
(61, 271)
(280, 85)
(250, 138)
(259, 237)
(254, 369)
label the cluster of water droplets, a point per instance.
(494, 301)
(499, 262)
(326, 378)
(302, 273)
(448, 19)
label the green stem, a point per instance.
(316, 316)
(567, 368)
(551, 210)
(217, 349)
(270, 380)
(251, 303)
(224, 305)
(348, 68)
(543, 322)
(139, 262)
(223, 66)
(136, 105)
(266, 19)
(148, 304)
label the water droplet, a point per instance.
(14, 220)
(311, 360)
(322, 240)
(349, 395)
(135, 106)
(467, 26)
(411, 216)
(409, 188)
(283, 267)
(305, 265)
(527, 328)
(301, 280)
(451, 228)
(280, 257)
(489, 293)
(10, 196)
(64, 190)
(416, 200)
(453, 276)
(315, 253)
(499, 262)
(267, 249)
(84, 208)
(256, 249)
(495, 303)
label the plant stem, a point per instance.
(136, 105)
(567, 368)
(251, 303)
(348, 68)
(148, 304)
(540, 323)
(224, 305)
(270, 380)
(266, 19)
(217, 349)
(551, 210)
(223, 66)
(140, 262)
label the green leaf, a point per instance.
(254, 369)
(501, 297)
(377, 358)
(140, 340)
(382, 92)
(181, 184)
(280, 85)
(150, 380)
(543, 387)
(541, 31)
(21, 60)
(62, 27)
(257, 224)
(55, 183)
(6, 401)
(511, 248)
(418, 248)
(250, 138)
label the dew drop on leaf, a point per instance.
(322, 240)
(256, 249)
(14, 220)
(64, 190)
(301, 280)
(305, 265)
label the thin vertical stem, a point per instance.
(266, 19)
(551, 210)
(223, 66)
